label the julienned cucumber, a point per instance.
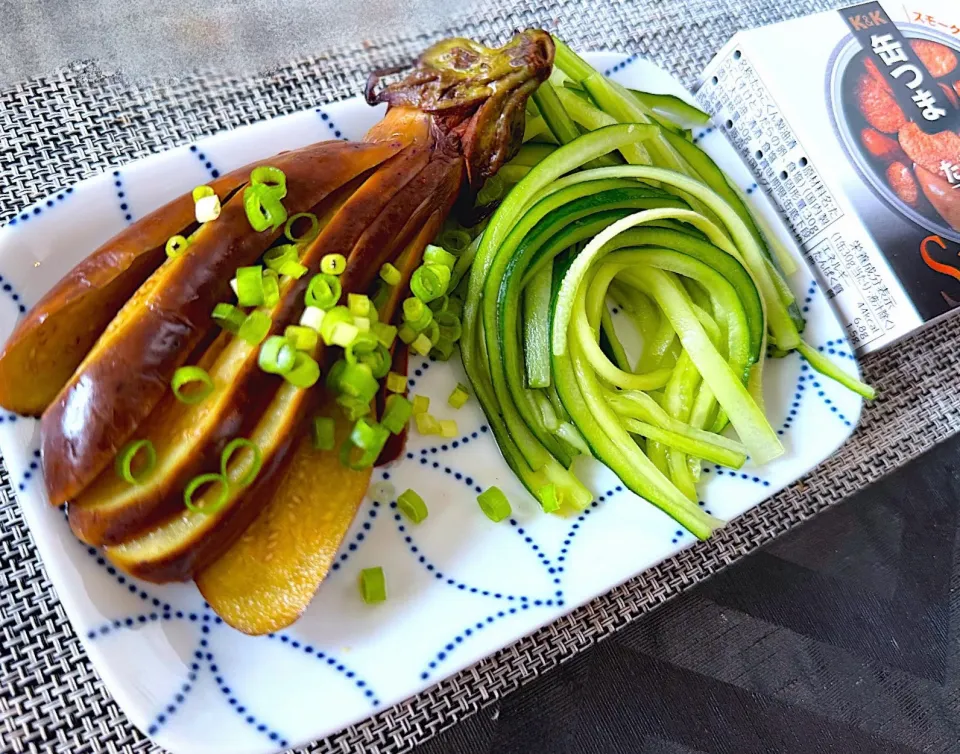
(676, 248)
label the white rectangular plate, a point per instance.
(460, 587)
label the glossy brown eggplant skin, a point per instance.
(263, 580)
(176, 550)
(456, 119)
(129, 369)
(188, 439)
(49, 343)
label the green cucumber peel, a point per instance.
(778, 319)
(536, 328)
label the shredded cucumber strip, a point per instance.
(748, 420)
(639, 405)
(778, 319)
(636, 470)
(536, 328)
(678, 401)
(586, 328)
(565, 159)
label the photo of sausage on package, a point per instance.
(850, 120)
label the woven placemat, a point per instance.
(56, 130)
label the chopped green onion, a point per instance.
(335, 374)
(357, 381)
(379, 361)
(270, 178)
(191, 385)
(176, 246)
(323, 291)
(390, 274)
(305, 372)
(201, 481)
(549, 502)
(363, 343)
(494, 504)
(362, 324)
(344, 333)
(369, 438)
(397, 412)
(430, 281)
(303, 338)
(416, 314)
(449, 325)
(448, 428)
(309, 235)
(256, 463)
(382, 492)
(459, 396)
(323, 433)
(396, 383)
(263, 208)
(312, 317)
(373, 587)
(432, 332)
(411, 505)
(275, 257)
(427, 424)
(255, 327)
(199, 192)
(336, 316)
(207, 208)
(385, 333)
(359, 304)
(353, 408)
(438, 255)
(421, 404)
(293, 269)
(456, 240)
(365, 349)
(421, 345)
(333, 264)
(250, 286)
(128, 454)
(407, 334)
(229, 317)
(277, 355)
(442, 349)
(271, 288)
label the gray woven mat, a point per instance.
(56, 130)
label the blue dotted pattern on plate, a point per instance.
(50, 203)
(122, 196)
(204, 659)
(621, 65)
(204, 160)
(335, 130)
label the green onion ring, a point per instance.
(126, 456)
(305, 371)
(192, 375)
(255, 327)
(176, 246)
(270, 178)
(277, 355)
(309, 235)
(199, 481)
(232, 447)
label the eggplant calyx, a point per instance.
(476, 93)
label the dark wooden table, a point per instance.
(840, 637)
